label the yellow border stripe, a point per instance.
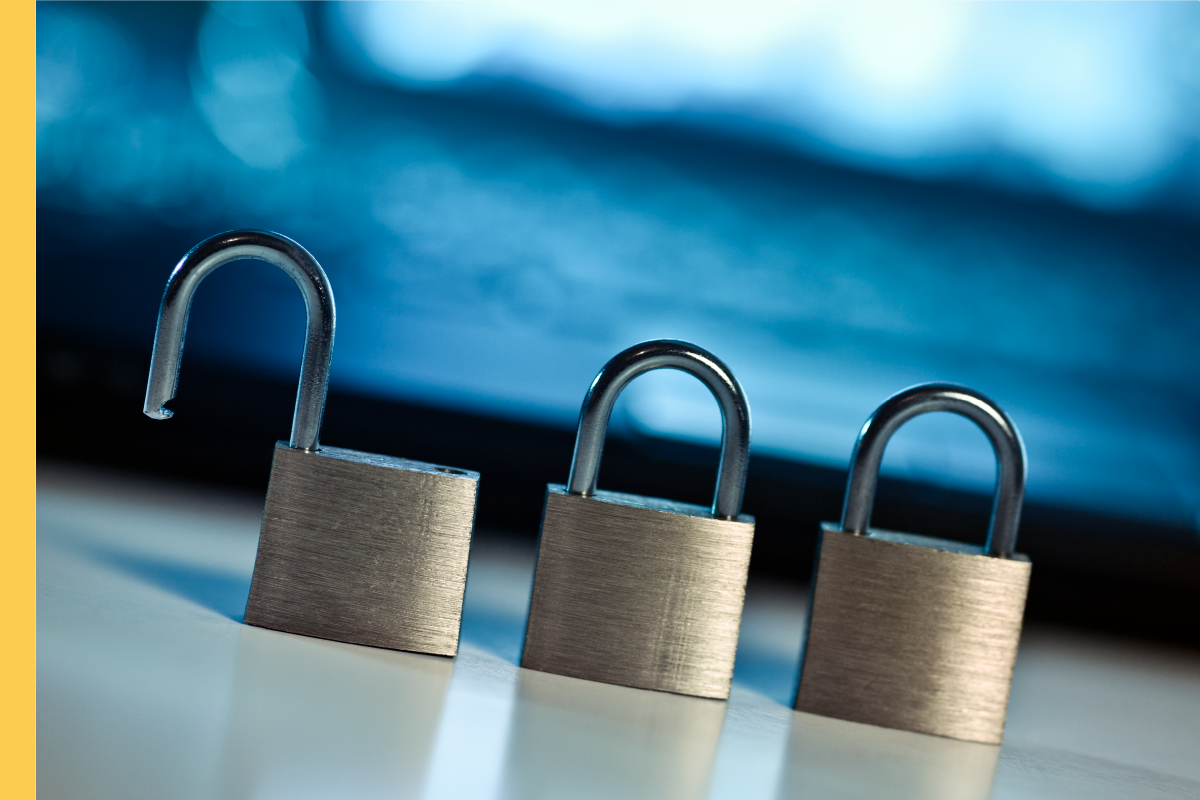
(18, 57)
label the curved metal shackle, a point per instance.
(914, 401)
(200, 261)
(659, 354)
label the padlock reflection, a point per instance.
(576, 738)
(311, 718)
(830, 758)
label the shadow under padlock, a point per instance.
(354, 547)
(313, 718)
(580, 739)
(833, 759)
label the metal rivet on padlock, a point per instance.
(355, 547)
(639, 591)
(912, 632)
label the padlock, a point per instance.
(639, 591)
(913, 632)
(354, 547)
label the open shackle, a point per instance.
(660, 354)
(199, 262)
(914, 401)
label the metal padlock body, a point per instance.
(364, 548)
(354, 546)
(913, 632)
(639, 591)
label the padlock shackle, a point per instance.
(669, 354)
(917, 400)
(199, 262)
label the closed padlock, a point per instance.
(639, 591)
(913, 632)
(355, 547)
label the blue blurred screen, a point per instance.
(838, 200)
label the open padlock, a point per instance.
(639, 591)
(912, 632)
(354, 546)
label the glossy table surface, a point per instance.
(149, 686)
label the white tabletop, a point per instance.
(149, 686)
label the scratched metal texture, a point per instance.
(364, 548)
(639, 592)
(913, 633)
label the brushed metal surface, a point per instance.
(639, 592)
(913, 633)
(364, 548)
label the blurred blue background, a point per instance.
(840, 200)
